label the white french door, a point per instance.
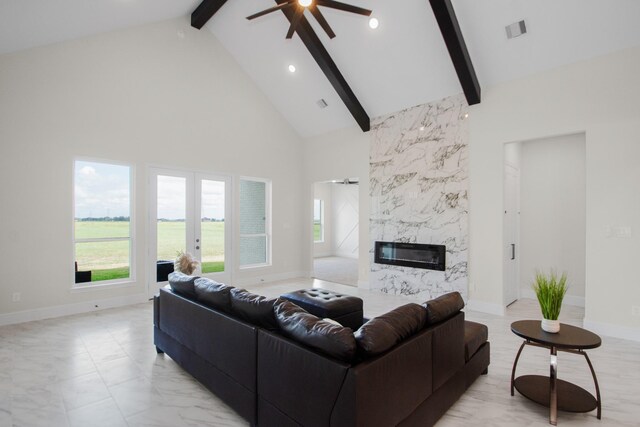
(189, 212)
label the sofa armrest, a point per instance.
(448, 349)
(384, 390)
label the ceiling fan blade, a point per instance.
(295, 21)
(271, 9)
(323, 22)
(345, 7)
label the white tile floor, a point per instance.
(101, 369)
(337, 270)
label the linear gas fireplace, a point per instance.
(430, 257)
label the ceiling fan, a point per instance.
(312, 5)
(346, 181)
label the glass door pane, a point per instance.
(171, 225)
(212, 226)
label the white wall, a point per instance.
(600, 98)
(322, 191)
(552, 210)
(144, 96)
(345, 200)
(344, 153)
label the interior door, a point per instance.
(511, 228)
(188, 212)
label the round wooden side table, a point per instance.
(551, 391)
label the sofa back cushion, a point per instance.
(331, 339)
(443, 307)
(183, 284)
(254, 309)
(213, 294)
(382, 333)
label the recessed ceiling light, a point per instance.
(374, 23)
(292, 68)
(305, 3)
(466, 115)
(421, 128)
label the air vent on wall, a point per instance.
(322, 103)
(516, 29)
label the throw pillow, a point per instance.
(443, 307)
(333, 340)
(213, 294)
(253, 308)
(383, 332)
(182, 284)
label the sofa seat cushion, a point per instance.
(383, 332)
(255, 309)
(443, 307)
(213, 294)
(345, 309)
(331, 339)
(475, 334)
(183, 284)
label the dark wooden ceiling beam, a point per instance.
(450, 29)
(205, 11)
(329, 68)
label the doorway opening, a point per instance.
(335, 231)
(544, 215)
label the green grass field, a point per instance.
(317, 232)
(109, 260)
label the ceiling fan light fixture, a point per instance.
(292, 68)
(305, 3)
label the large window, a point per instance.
(318, 221)
(102, 222)
(255, 224)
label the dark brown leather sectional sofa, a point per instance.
(275, 371)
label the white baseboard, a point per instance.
(614, 331)
(69, 309)
(485, 307)
(568, 299)
(268, 278)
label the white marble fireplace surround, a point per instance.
(419, 194)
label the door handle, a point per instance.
(513, 251)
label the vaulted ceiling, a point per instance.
(402, 63)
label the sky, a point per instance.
(172, 199)
(101, 190)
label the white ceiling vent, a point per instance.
(322, 103)
(516, 29)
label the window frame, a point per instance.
(268, 224)
(131, 280)
(321, 220)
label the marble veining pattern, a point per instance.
(419, 194)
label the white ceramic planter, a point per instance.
(551, 326)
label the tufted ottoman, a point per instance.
(344, 309)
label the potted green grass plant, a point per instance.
(550, 291)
